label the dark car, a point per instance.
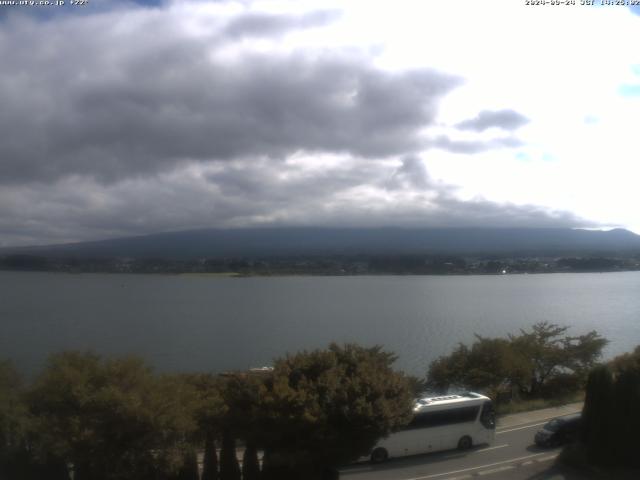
(559, 431)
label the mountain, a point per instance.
(254, 242)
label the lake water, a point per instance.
(207, 323)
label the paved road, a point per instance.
(513, 450)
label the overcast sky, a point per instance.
(130, 117)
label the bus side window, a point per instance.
(421, 420)
(444, 417)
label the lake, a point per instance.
(206, 323)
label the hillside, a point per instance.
(282, 242)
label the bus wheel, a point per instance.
(379, 455)
(465, 443)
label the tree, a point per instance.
(209, 414)
(189, 468)
(549, 353)
(611, 416)
(18, 461)
(596, 414)
(13, 414)
(243, 393)
(528, 361)
(210, 461)
(626, 417)
(113, 419)
(229, 467)
(489, 364)
(250, 463)
(626, 361)
(325, 408)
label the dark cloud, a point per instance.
(110, 128)
(354, 192)
(263, 24)
(126, 101)
(504, 119)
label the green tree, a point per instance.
(18, 461)
(243, 394)
(597, 414)
(485, 366)
(189, 468)
(113, 419)
(209, 414)
(250, 463)
(549, 353)
(527, 362)
(229, 466)
(13, 414)
(626, 417)
(626, 361)
(210, 460)
(325, 408)
(611, 416)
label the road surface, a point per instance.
(513, 453)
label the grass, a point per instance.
(518, 406)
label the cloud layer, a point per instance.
(145, 120)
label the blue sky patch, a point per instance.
(629, 90)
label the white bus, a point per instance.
(441, 423)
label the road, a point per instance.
(513, 450)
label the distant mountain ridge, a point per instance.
(296, 241)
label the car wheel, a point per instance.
(379, 455)
(465, 443)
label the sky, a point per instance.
(125, 117)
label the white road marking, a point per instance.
(496, 470)
(435, 475)
(520, 428)
(491, 448)
(546, 459)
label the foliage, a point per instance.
(189, 468)
(250, 463)
(626, 422)
(626, 361)
(536, 362)
(210, 407)
(417, 385)
(242, 394)
(229, 467)
(13, 414)
(328, 407)
(210, 460)
(17, 461)
(612, 413)
(113, 419)
(549, 353)
(596, 420)
(485, 367)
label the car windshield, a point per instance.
(553, 425)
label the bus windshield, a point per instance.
(488, 416)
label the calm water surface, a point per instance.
(213, 324)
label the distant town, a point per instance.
(335, 265)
